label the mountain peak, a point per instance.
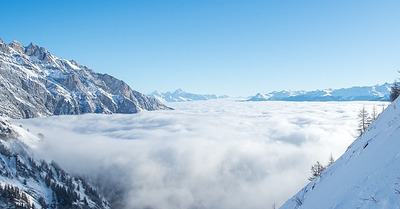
(259, 97)
(32, 45)
(31, 49)
(15, 43)
(17, 46)
(61, 87)
(181, 96)
(156, 92)
(179, 91)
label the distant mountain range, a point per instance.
(36, 83)
(181, 96)
(357, 93)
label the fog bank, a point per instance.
(209, 154)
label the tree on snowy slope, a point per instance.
(363, 120)
(394, 91)
(14, 198)
(316, 170)
(374, 113)
(330, 161)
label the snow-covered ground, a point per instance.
(365, 176)
(206, 154)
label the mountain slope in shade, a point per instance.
(181, 96)
(36, 83)
(27, 182)
(357, 93)
(365, 176)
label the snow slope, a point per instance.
(365, 176)
(356, 93)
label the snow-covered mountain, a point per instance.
(276, 95)
(365, 176)
(357, 93)
(181, 96)
(36, 83)
(28, 182)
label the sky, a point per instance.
(235, 48)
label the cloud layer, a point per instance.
(216, 154)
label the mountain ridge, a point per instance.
(355, 93)
(181, 96)
(36, 83)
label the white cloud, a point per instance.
(208, 154)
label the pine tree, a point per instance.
(394, 91)
(316, 170)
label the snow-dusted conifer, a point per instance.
(394, 91)
(316, 170)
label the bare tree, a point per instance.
(363, 121)
(331, 160)
(374, 114)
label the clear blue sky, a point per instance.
(229, 47)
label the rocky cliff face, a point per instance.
(33, 83)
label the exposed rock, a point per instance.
(33, 83)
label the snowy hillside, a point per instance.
(36, 83)
(27, 182)
(365, 176)
(181, 96)
(357, 93)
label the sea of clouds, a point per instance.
(217, 154)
